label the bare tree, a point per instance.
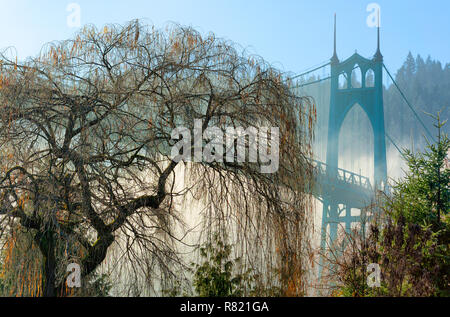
(85, 131)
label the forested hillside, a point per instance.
(426, 84)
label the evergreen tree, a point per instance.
(411, 243)
(423, 197)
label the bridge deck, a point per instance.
(340, 185)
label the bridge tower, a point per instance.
(370, 97)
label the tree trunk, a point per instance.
(46, 244)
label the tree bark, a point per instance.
(46, 244)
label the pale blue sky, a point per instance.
(292, 35)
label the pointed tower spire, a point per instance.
(378, 56)
(334, 59)
(335, 34)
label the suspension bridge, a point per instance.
(339, 190)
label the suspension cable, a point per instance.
(407, 102)
(392, 141)
(310, 71)
(312, 82)
(314, 66)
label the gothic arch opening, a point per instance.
(356, 143)
(343, 84)
(370, 78)
(356, 77)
